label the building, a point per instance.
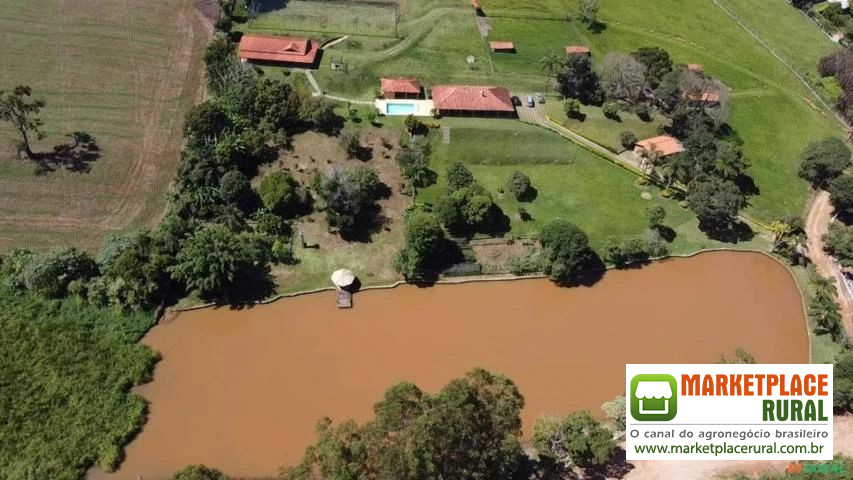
(505, 47)
(845, 4)
(288, 51)
(695, 67)
(472, 101)
(708, 97)
(662, 146)
(400, 88)
(577, 50)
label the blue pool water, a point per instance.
(400, 108)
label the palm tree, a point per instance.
(549, 64)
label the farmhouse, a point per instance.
(400, 87)
(577, 50)
(292, 51)
(472, 101)
(662, 146)
(506, 47)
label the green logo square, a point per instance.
(654, 397)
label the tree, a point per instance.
(234, 187)
(655, 215)
(576, 79)
(615, 412)
(270, 224)
(134, 272)
(276, 107)
(566, 249)
(419, 258)
(351, 143)
(350, 197)
(572, 107)
(413, 125)
(575, 440)
(49, 275)
(282, 194)
(206, 120)
(657, 63)
(838, 242)
(610, 110)
(22, 110)
(824, 160)
(716, 202)
(414, 164)
(468, 430)
(549, 65)
(221, 265)
(627, 139)
(622, 77)
(199, 472)
(842, 383)
(518, 184)
(458, 176)
(318, 112)
(729, 163)
(588, 11)
(822, 309)
(841, 195)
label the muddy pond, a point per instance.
(242, 389)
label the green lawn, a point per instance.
(571, 183)
(595, 126)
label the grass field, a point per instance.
(571, 183)
(774, 113)
(124, 72)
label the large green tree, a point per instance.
(841, 195)
(19, 108)
(469, 430)
(716, 202)
(575, 440)
(222, 265)
(351, 199)
(421, 255)
(824, 160)
(566, 249)
(199, 472)
(282, 194)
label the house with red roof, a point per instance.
(695, 67)
(577, 50)
(289, 51)
(472, 101)
(400, 87)
(505, 47)
(662, 146)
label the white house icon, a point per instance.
(654, 390)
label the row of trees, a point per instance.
(470, 429)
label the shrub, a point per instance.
(566, 249)
(518, 184)
(49, 275)
(628, 139)
(524, 264)
(458, 176)
(524, 215)
(282, 194)
(610, 110)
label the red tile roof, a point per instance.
(707, 96)
(501, 46)
(694, 67)
(277, 49)
(400, 85)
(572, 49)
(476, 5)
(472, 98)
(664, 145)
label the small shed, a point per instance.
(477, 7)
(695, 67)
(662, 146)
(577, 50)
(505, 47)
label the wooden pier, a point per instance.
(344, 298)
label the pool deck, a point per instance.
(423, 108)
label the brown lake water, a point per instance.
(242, 389)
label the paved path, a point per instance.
(817, 224)
(318, 92)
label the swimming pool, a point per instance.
(399, 108)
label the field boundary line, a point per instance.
(781, 60)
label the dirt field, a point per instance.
(124, 72)
(372, 261)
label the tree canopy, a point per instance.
(421, 255)
(566, 249)
(824, 160)
(577, 439)
(19, 108)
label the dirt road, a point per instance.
(817, 224)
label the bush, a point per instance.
(200, 472)
(628, 139)
(566, 250)
(518, 184)
(610, 110)
(524, 264)
(458, 176)
(524, 215)
(49, 275)
(282, 194)
(572, 107)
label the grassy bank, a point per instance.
(64, 386)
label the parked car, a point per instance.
(539, 97)
(530, 102)
(516, 101)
